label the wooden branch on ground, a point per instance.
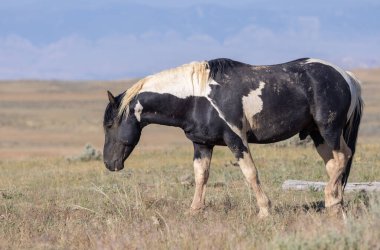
(319, 186)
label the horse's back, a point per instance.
(279, 101)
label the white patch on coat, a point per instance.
(138, 111)
(212, 82)
(205, 93)
(184, 81)
(355, 88)
(253, 104)
(346, 76)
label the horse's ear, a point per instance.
(111, 98)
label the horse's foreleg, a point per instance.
(250, 172)
(336, 161)
(241, 151)
(202, 159)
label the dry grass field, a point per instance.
(48, 202)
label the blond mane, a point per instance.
(196, 72)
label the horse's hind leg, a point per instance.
(202, 159)
(247, 166)
(335, 161)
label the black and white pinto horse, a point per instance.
(229, 103)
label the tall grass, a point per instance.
(55, 204)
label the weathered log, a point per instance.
(319, 186)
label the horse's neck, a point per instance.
(169, 97)
(163, 109)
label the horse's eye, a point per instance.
(109, 125)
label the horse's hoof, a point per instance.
(194, 211)
(263, 213)
(336, 211)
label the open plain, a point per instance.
(49, 202)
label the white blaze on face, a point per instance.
(345, 75)
(138, 111)
(253, 103)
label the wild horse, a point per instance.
(229, 103)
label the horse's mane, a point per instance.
(221, 66)
(130, 94)
(197, 72)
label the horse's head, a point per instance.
(122, 133)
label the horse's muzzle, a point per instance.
(114, 166)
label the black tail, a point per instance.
(350, 134)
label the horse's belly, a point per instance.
(278, 119)
(269, 135)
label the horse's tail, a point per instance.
(350, 131)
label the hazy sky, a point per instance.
(112, 39)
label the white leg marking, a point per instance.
(253, 104)
(335, 161)
(249, 170)
(201, 172)
(138, 111)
